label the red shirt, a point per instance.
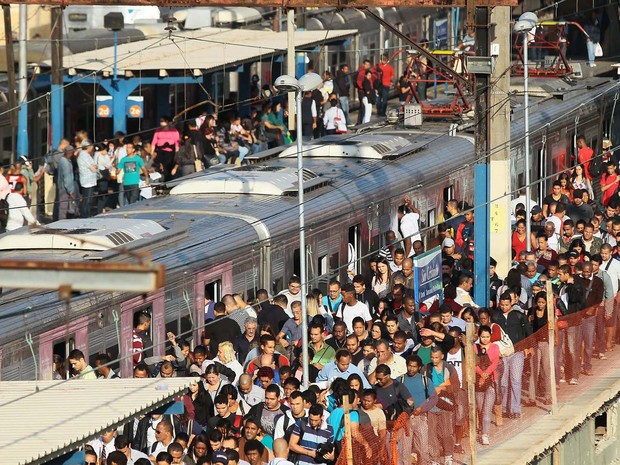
(388, 74)
(361, 74)
(607, 179)
(13, 179)
(584, 155)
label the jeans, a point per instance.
(591, 51)
(573, 353)
(243, 151)
(361, 112)
(541, 369)
(511, 382)
(121, 195)
(367, 110)
(382, 100)
(132, 193)
(344, 104)
(588, 327)
(102, 194)
(87, 201)
(485, 400)
(419, 427)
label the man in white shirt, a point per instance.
(463, 297)
(352, 308)
(18, 209)
(122, 444)
(249, 394)
(163, 435)
(104, 444)
(87, 169)
(409, 223)
(397, 364)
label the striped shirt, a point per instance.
(311, 438)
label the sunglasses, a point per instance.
(90, 463)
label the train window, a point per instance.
(448, 193)
(430, 218)
(355, 248)
(334, 265)
(138, 314)
(213, 290)
(63, 347)
(323, 268)
(605, 427)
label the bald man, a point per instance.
(249, 394)
(280, 452)
(405, 274)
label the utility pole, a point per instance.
(22, 126)
(500, 140)
(57, 90)
(10, 72)
(290, 63)
(483, 130)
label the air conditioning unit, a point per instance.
(412, 115)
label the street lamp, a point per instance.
(287, 84)
(527, 21)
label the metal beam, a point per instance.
(273, 3)
(72, 276)
(421, 50)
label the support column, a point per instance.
(119, 90)
(10, 67)
(500, 143)
(57, 91)
(481, 168)
(22, 125)
(290, 62)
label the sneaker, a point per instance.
(448, 460)
(573, 382)
(485, 439)
(602, 356)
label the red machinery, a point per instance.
(548, 41)
(421, 73)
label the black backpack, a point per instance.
(4, 213)
(595, 168)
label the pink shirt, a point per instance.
(163, 136)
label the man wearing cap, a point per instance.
(65, 184)
(87, 170)
(448, 249)
(578, 209)
(537, 220)
(219, 457)
(352, 308)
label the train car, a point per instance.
(235, 229)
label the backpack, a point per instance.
(595, 168)
(4, 213)
(446, 400)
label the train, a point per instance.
(235, 228)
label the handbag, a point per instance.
(598, 50)
(506, 347)
(197, 160)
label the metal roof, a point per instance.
(47, 419)
(203, 49)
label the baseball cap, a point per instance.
(573, 253)
(447, 242)
(536, 209)
(220, 457)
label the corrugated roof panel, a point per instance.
(50, 418)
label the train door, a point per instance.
(179, 310)
(354, 249)
(61, 341)
(153, 304)
(213, 283)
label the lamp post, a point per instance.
(526, 22)
(115, 22)
(287, 84)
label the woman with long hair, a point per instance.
(487, 361)
(214, 384)
(227, 357)
(519, 238)
(198, 448)
(202, 402)
(381, 280)
(379, 331)
(165, 144)
(580, 181)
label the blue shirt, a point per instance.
(335, 420)
(415, 384)
(311, 438)
(332, 305)
(331, 372)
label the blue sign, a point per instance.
(135, 107)
(104, 106)
(427, 278)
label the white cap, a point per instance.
(447, 242)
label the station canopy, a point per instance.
(203, 50)
(46, 419)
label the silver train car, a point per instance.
(235, 229)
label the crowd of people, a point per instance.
(374, 350)
(86, 177)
